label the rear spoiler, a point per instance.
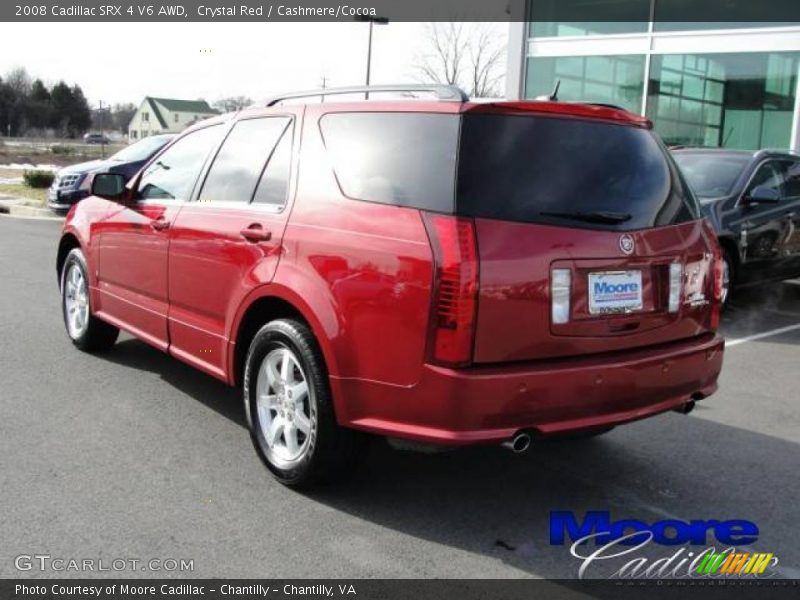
(604, 112)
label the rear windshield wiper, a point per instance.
(591, 217)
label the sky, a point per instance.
(123, 62)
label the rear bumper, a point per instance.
(490, 404)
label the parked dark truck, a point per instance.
(444, 272)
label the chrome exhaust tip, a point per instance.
(519, 443)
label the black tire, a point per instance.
(331, 452)
(97, 335)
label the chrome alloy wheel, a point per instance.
(287, 412)
(76, 301)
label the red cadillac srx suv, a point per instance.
(438, 271)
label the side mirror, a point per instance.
(762, 195)
(108, 185)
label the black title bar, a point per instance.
(392, 589)
(761, 11)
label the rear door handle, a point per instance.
(159, 224)
(256, 233)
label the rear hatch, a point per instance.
(588, 239)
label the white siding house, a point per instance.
(165, 115)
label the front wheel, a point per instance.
(290, 408)
(85, 330)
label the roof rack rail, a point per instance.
(448, 93)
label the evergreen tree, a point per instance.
(38, 106)
(80, 114)
(60, 105)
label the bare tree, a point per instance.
(470, 55)
(232, 104)
(19, 81)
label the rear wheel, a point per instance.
(85, 330)
(290, 408)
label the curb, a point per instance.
(14, 207)
(31, 211)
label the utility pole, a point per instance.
(102, 134)
(324, 86)
(371, 21)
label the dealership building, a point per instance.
(703, 83)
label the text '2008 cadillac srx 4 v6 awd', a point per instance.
(439, 271)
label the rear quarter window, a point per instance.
(403, 159)
(525, 168)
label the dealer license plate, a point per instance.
(615, 292)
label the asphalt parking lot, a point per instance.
(135, 455)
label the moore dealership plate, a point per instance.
(615, 292)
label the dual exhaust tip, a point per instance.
(521, 441)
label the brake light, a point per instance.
(675, 286)
(718, 275)
(455, 256)
(712, 243)
(716, 307)
(560, 292)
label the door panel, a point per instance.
(133, 249)
(212, 267)
(791, 204)
(228, 242)
(132, 268)
(763, 227)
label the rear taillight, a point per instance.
(560, 293)
(675, 287)
(718, 278)
(712, 243)
(716, 305)
(455, 288)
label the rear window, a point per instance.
(568, 172)
(711, 176)
(404, 159)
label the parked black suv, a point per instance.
(753, 199)
(74, 182)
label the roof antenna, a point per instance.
(552, 96)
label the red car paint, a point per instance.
(182, 276)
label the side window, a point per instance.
(405, 159)
(792, 177)
(240, 161)
(173, 173)
(274, 183)
(769, 175)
